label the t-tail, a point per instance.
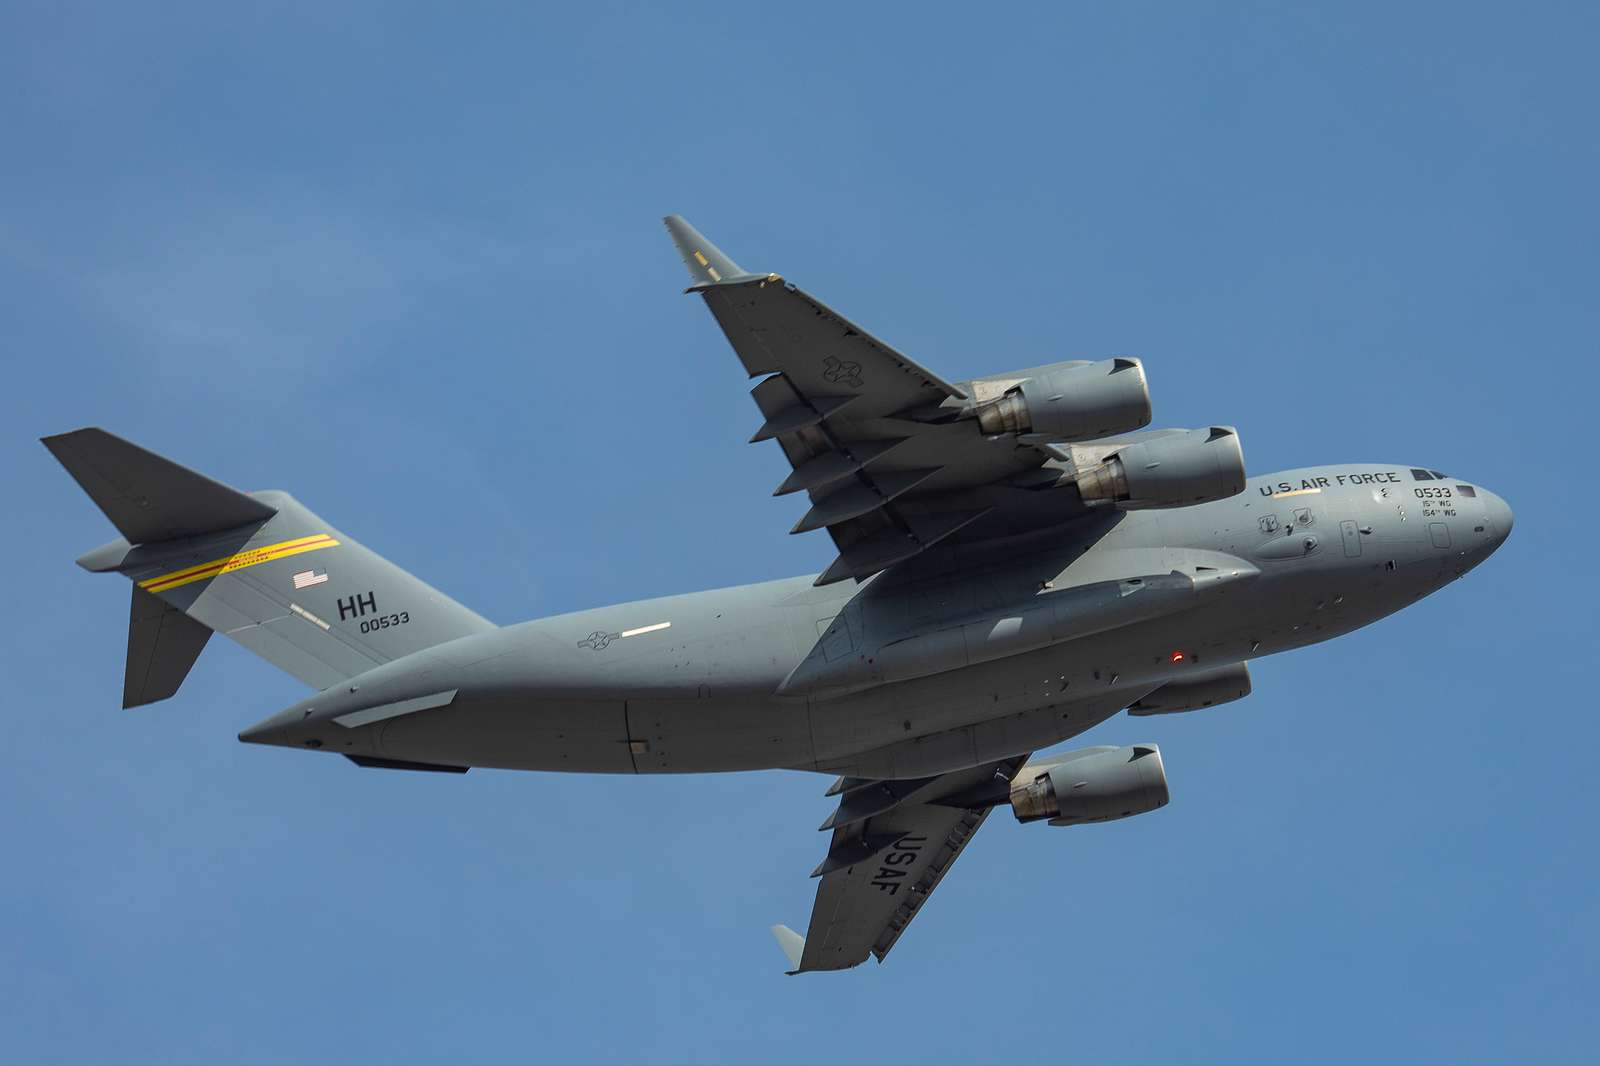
(257, 567)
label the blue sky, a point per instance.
(406, 262)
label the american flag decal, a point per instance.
(306, 578)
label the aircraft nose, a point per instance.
(1499, 514)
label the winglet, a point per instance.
(792, 943)
(706, 262)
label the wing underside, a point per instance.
(893, 842)
(879, 444)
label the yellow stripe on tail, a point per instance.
(238, 561)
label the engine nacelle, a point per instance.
(1223, 684)
(1196, 466)
(1073, 402)
(1091, 785)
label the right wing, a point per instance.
(877, 441)
(893, 842)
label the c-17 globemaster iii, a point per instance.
(1018, 560)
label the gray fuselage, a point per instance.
(1005, 649)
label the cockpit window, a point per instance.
(1467, 490)
(1441, 477)
(1420, 475)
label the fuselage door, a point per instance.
(1352, 539)
(837, 640)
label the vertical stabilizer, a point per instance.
(163, 644)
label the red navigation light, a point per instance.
(1178, 656)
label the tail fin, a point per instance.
(259, 568)
(163, 644)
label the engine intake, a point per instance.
(1092, 785)
(1073, 402)
(1196, 466)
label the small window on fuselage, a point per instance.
(1467, 490)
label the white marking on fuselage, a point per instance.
(644, 629)
(382, 712)
(1296, 492)
(307, 615)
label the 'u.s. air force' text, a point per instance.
(1387, 477)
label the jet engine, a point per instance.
(1091, 785)
(1070, 402)
(1176, 470)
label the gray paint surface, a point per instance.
(995, 610)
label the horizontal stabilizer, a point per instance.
(792, 943)
(149, 498)
(163, 644)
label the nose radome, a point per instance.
(1500, 517)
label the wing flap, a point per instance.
(881, 548)
(787, 411)
(817, 471)
(855, 500)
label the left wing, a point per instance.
(889, 453)
(893, 841)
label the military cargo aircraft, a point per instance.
(1019, 559)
